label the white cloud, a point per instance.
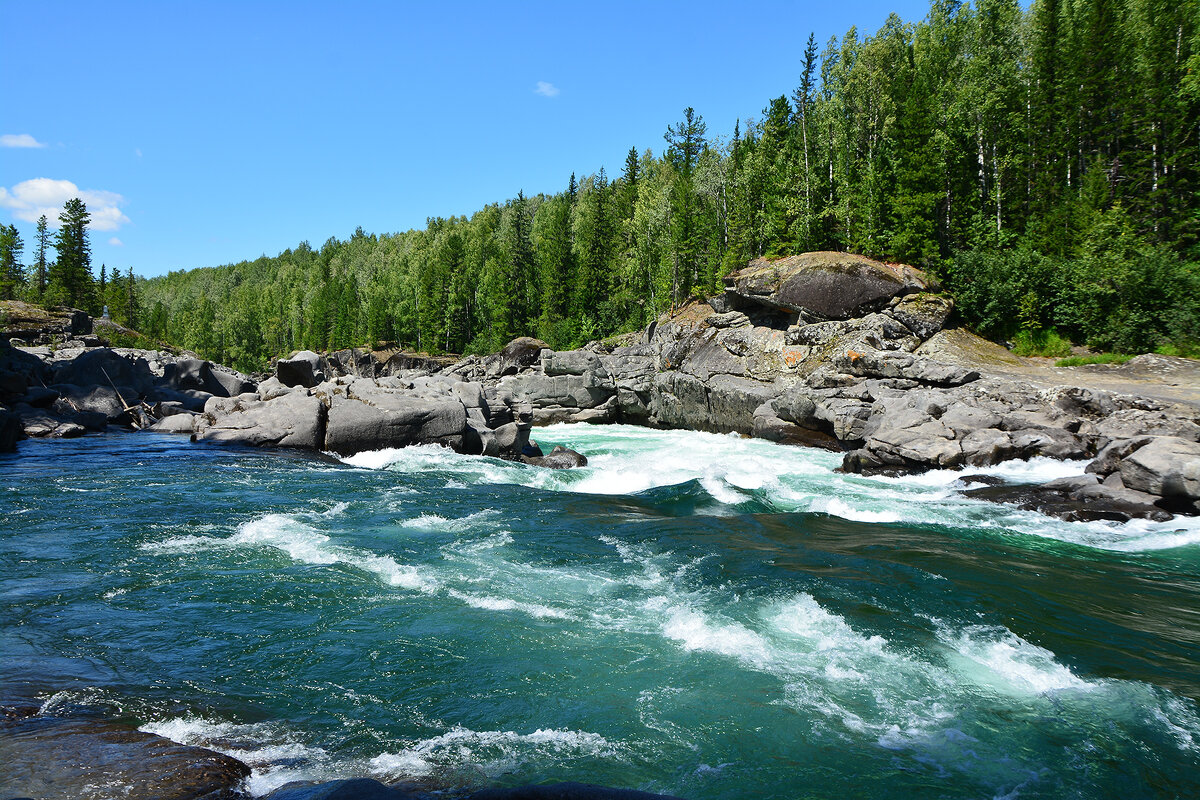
(115, 242)
(19, 140)
(30, 199)
(546, 89)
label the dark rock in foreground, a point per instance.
(53, 758)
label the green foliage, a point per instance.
(1043, 343)
(1098, 358)
(1044, 162)
(12, 274)
(71, 281)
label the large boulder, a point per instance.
(1164, 466)
(352, 361)
(103, 366)
(194, 374)
(558, 458)
(305, 369)
(112, 402)
(520, 353)
(11, 430)
(393, 419)
(826, 284)
(296, 419)
(923, 313)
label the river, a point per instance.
(693, 614)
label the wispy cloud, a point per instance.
(546, 89)
(19, 140)
(30, 199)
(115, 242)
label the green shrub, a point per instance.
(1045, 343)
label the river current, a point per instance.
(692, 614)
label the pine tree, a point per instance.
(593, 238)
(12, 274)
(516, 280)
(71, 276)
(39, 276)
(685, 141)
(802, 99)
(555, 249)
(132, 305)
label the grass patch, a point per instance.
(1098, 358)
(1183, 350)
(1042, 343)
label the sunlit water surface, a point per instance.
(693, 614)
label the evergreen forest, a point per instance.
(1043, 162)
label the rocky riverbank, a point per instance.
(823, 349)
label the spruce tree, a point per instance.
(71, 276)
(39, 276)
(685, 141)
(12, 274)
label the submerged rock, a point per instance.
(558, 458)
(1077, 499)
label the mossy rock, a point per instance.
(959, 346)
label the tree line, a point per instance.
(67, 279)
(1045, 163)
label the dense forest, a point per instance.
(1045, 163)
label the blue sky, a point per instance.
(207, 133)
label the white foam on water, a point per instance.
(732, 470)
(492, 603)
(493, 752)
(436, 522)
(695, 630)
(285, 533)
(301, 542)
(804, 618)
(273, 754)
(335, 509)
(1180, 721)
(182, 544)
(1009, 662)
(839, 508)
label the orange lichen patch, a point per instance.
(792, 358)
(853, 355)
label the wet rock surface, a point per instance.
(54, 758)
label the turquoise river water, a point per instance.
(701, 615)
